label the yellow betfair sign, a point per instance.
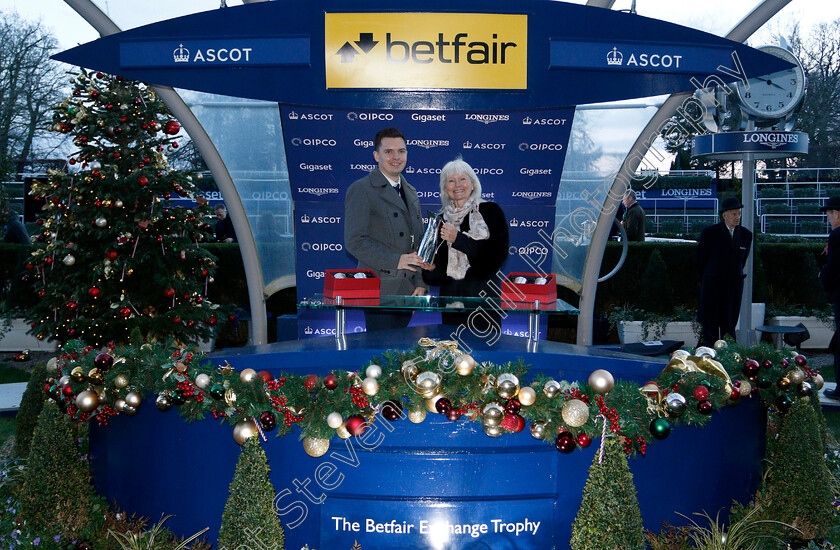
(426, 51)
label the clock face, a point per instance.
(777, 94)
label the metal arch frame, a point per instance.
(739, 33)
(247, 247)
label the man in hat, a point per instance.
(830, 279)
(721, 256)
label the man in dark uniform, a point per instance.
(634, 217)
(830, 279)
(721, 256)
(383, 228)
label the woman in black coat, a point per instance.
(472, 245)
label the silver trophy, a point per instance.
(427, 244)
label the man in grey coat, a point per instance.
(383, 228)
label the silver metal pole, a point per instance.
(745, 334)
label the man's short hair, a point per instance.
(630, 193)
(389, 132)
(220, 206)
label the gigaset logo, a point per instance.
(438, 50)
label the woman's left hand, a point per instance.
(448, 233)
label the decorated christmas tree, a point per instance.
(114, 253)
(609, 515)
(250, 517)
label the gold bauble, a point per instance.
(133, 398)
(373, 371)
(721, 345)
(77, 375)
(315, 447)
(244, 430)
(370, 386)
(203, 380)
(52, 364)
(416, 416)
(538, 430)
(551, 388)
(601, 381)
(507, 385)
(796, 376)
(464, 364)
(783, 383)
(493, 431)
(431, 402)
(819, 382)
(63, 381)
(96, 377)
(575, 413)
(409, 371)
(527, 396)
(87, 401)
(119, 404)
(427, 384)
(247, 375)
(492, 414)
(745, 388)
(334, 420)
(128, 410)
(343, 432)
(121, 380)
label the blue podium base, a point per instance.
(435, 485)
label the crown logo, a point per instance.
(527, 120)
(304, 218)
(514, 223)
(181, 54)
(307, 330)
(409, 170)
(615, 57)
(293, 116)
(467, 145)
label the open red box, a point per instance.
(349, 286)
(529, 291)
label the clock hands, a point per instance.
(768, 81)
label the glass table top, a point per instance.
(437, 303)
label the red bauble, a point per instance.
(72, 306)
(565, 442)
(125, 312)
(751, 367)
(701, 393)
(513, 406)
(331, 381)
(103, 361)
(584, 440)
(29, 266)
(212, 321)
(443, 405)
(176, 320)
(111, 254)
(169, 292)
(513, 423)
(311, 382)
(67, 390)
(800, 360)
(268, 421)
(705, 407)
(142, 181)
(392, 410)
(453, 415)
(767, 364)
(171, 127)
(265, 376)
(356, 424)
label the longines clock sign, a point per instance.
(388, 55)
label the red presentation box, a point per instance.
(349, 286)
(529, 291)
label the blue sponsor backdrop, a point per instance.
(517, 155)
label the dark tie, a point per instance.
(401, 191)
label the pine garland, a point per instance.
(688, 391)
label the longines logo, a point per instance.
(429, 143)
(320, 219)
(540, 146)
(363, 167)
(531, 195)
(318, 191)
(314, 142)
(486, 119)
(310, 116)
(211, 55)
(351, 116)
(528, 223)
(321, 247)
(771, 139)
(528, 121)
(484, 146)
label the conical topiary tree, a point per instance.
(609, 515)
(31, 405)
(798, 491)
(250, 517)
(56, 492)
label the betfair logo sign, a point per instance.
(426, 51)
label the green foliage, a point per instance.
(56, 487)
(798, 490)
(747, 532)
(153, 539)
(31, 405)
(250, 515)
(609, 515)
(656, 294)
(114, 254)
(669, 538)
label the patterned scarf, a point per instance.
(458, 263)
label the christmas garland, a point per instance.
(434, 377)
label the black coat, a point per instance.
(486, 257)
(720, 261)
(224, 230)
(830, 272)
